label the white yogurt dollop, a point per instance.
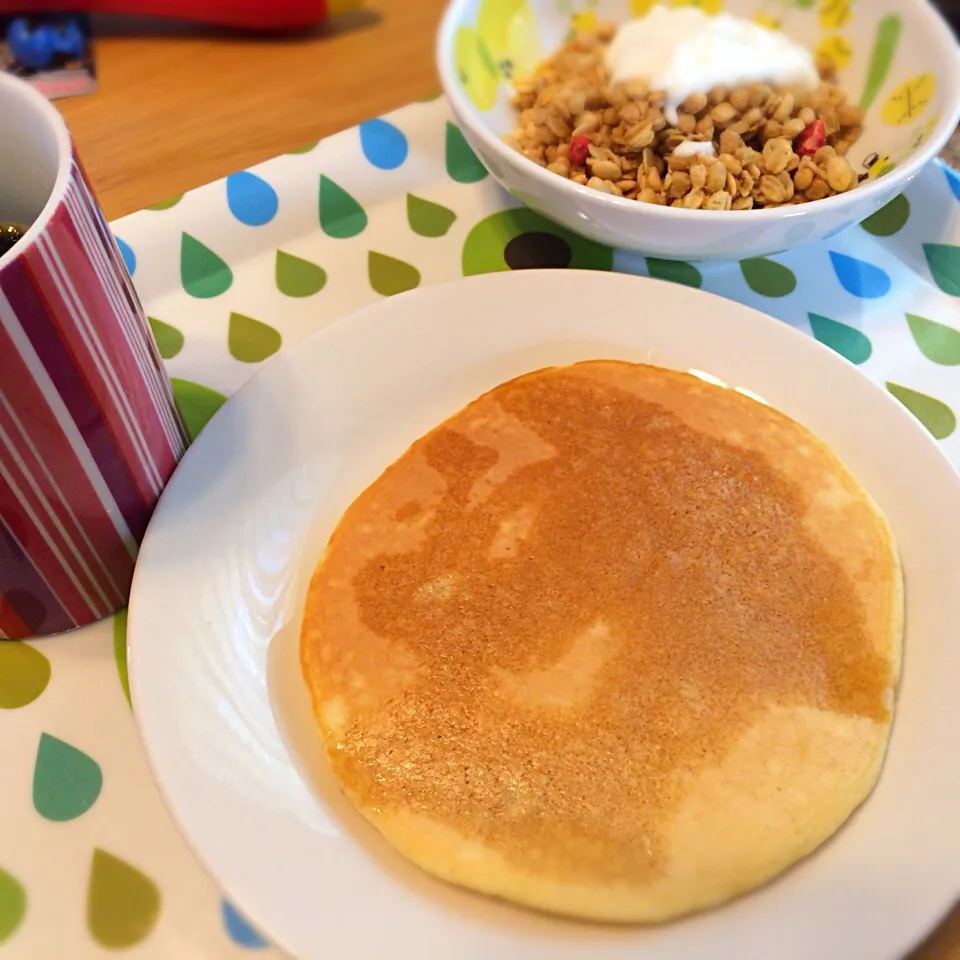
(692, 148)
(683, 51)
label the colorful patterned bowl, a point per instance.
(897, 59)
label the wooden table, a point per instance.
(180, 106)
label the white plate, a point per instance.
(216, 603)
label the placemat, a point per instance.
(235, 271)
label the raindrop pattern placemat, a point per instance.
(232, 273)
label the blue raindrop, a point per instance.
(129, 257)
(239, 931)
(384, 145)
(953, 179)
(251, 199)
(861, 279)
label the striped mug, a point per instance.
(89, 434)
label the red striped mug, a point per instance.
(89, 434)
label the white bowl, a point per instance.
(890, 43)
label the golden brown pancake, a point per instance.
(611, 642)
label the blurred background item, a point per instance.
(246, 14)
(53, 52)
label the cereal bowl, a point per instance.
(895, 59)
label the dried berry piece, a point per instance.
(812, 139)
(579, 150)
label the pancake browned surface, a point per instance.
(612, 641)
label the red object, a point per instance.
(247, 14)
(579, 151)
(812, 139)
(89, 433)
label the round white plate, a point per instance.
(214, 621)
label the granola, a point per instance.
(730, 149)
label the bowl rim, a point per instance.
(947, 48)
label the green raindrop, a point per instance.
(24, 674)
(428, 219)
(389, 276)
(944, 262)
(66, 782)
(169, 339)
(251, 341)
(768, 278)
(462, 163)
(340, 215)
(297, 277)
(675, 271)
(120, 650)
(890, 219)
(13, 905)
(936, 341)
(305, 148)
(935, 415)
(166, 204)
(196, 403)
(202, 272)
(123, 905)
(848, 341)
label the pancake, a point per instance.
(611, 642)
